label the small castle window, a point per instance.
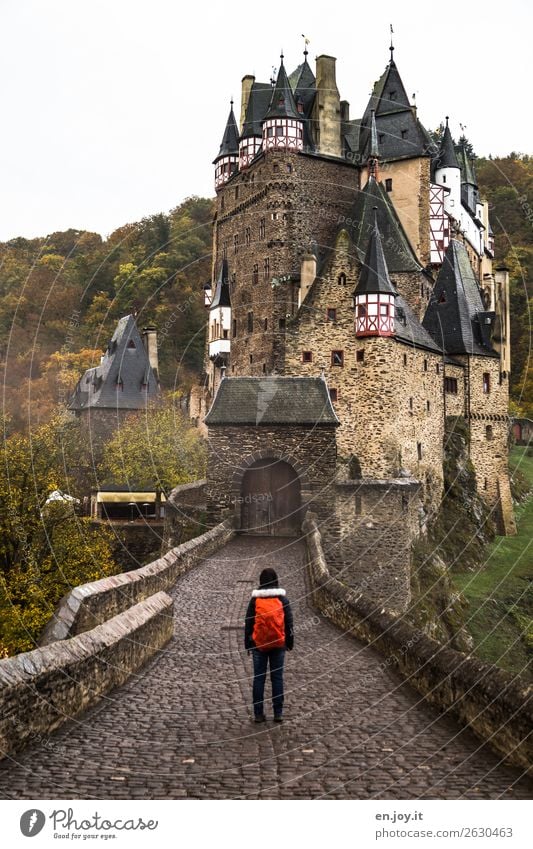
(488, 431)
(486, 382)
(222, 203)
(333, 394)
(255, 274)
(307, 356)
(247, 236)
(276, 166)
(264, 368)
(388, 184)
(337, 358)
(251, 359)
(405, 359)
(265, 324)
(289, 168)
(381, 138)
(411, 404)
(404, 134)
(425, 365)
(250, 322)
(281, 324)
(486, 484)
(358, 505)
(341, 279)
(437, 368)
(331, 314)
(360, 355)
(450, 385)
(274, 216)
(131, 345)
(234, 328)
(235, 243)
(266, 268)
(262, 228)
(442, 299)
(419, 450)
(280, 131)
(428, 406)
(444, 178)
(236, 192)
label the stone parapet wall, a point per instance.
(89, 605)
(497, 706)
(184, 513)
(42, 689)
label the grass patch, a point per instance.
(500, 594)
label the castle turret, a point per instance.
(220, 319)
(448, 173)
(226, 163)
(374, 295)
(469, 189)
(255, 100)
(283, 123)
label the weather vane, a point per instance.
(306, 42)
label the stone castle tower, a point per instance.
(360, 251)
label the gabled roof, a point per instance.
(221, 298)
(400, 133)
(272, 401)
(258, 103)
(303, 84)
(446, 157)
(398, 252)
(229, 145)
(456, 308)
(374, 277)
(117, 383)
(282, 103)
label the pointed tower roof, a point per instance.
(396, 246)
(465, 164)
(374, 146)
(303, 84)
(258, 103)
(125, 363)
(221, 297)
(282, 103)
(402, 134)
(456, 307)
(229, 145)
(374, 277)
(447, 157)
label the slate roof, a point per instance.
(408, 329)
(454, 313)
(272, 401)
(125, 361)
(468, 174)
(374, 276)
(303, 84)
(400, 133)
(229, 145)
(221, 297)
(282, 103)
(258, 103)
(396, 246)
(447, 157)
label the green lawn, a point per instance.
(500, 595)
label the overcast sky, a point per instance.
(114, 109)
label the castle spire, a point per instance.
(447, 158)
(226, 161)
(282, 124)
(374, 294)
(373, 157)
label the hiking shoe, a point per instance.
(260, 717)
(278, 719)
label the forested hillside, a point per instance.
(507, 183)
(60, 298)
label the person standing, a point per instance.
(268, 632)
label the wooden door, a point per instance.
(271, 499)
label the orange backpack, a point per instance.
(269, 626)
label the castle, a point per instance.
(354, 309)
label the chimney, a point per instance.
(247, 83)
(328, 107)
(149, 336)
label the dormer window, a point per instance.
(392, 95)
(131, 345)
(120, 384)
(145, 386)
(404, 134)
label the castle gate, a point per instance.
(271, 499)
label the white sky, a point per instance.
(114, 109)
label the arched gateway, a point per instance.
(271, 499)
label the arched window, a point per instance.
(341, 279)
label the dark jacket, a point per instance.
(250, 617)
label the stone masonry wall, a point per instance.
(410, 196)
(496, 705)
(89, 605)
(184, 513)
(44, 688)
(489, 432)
(368, 541)
(231, 450)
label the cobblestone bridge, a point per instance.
(182, 728)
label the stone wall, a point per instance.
(368, 540)
(44, 688)
(89, 605)
(410, 196)
(497, 706)
(311, 451)
(487, 415)
(185, 516)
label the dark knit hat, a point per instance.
(268, 579)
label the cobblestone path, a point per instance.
(181, 727)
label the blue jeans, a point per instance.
(276, 658)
